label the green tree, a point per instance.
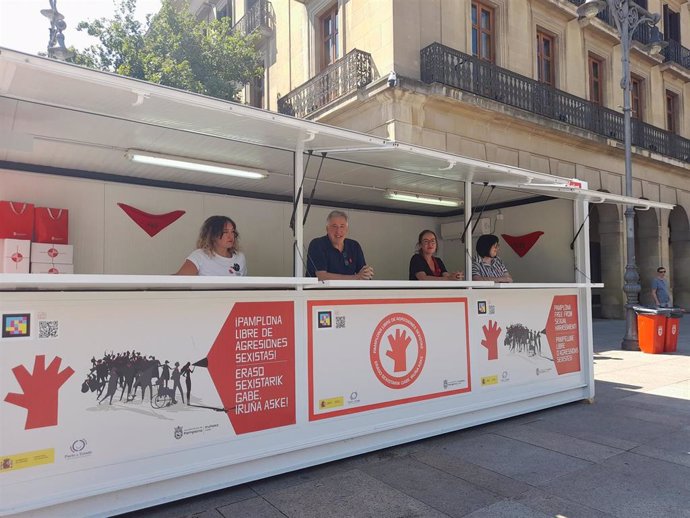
(172, 48)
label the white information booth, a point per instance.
(269, 373)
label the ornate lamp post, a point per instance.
(627, 16)
(56, 42)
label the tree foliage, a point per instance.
(172, 48)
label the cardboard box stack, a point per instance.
(47, 258)
(16, 227)
(50, 252)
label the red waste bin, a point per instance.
(651, 329)
(671, 334)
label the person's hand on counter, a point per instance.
(366, 273)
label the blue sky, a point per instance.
(24, 28)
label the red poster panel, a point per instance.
(563, 333)
(252, 364)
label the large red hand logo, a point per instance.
(398, 349)
(490, 341)
(40, 391)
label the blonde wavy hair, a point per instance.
(213, 229)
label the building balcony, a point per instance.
(260, 17)
(352, 71)
(441, 64)
(645, 35)
(677, 53)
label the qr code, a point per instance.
(339, 322)
(48, 329)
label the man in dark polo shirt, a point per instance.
(333, 256)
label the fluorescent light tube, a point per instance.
(190, 164)
(427, 199)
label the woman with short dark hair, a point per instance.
(487, 266)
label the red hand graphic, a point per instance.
(490, 341)
(40, 391)
(399, 344)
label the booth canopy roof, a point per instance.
(58, 116)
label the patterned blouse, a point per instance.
(494, 269)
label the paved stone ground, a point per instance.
(625, 455)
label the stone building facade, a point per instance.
(519, 82)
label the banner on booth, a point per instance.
(524, 337)
(111, 381)
(370, 354)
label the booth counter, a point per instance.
(279, 377)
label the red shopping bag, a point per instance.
(16, 220)
(50, 225)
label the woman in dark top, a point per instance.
(425, 266)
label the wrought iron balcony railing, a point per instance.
(645, 34)
(350, 72)
(259, 16)
(677, 53)
(450, 67)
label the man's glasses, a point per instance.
(662, 271)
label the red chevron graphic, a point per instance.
(522, 244)
(151, 223)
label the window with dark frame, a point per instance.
(671, 24)
(596, 79)
(636, 97)
(483, 31)
(545, 58)
(671, 112)
(328, 37)
(223, 12)
(256, 92)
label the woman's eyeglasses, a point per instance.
(428, 241)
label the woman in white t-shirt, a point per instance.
(216, 252)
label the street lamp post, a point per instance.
(56, 41)
(627, 16)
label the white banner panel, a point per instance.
(369, 354)
(524, 336)
(105, 380)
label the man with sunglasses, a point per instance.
(662, 299)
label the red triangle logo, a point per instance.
(151, 223)
(522, 244)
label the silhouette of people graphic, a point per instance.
(175, 376)
(186, 371)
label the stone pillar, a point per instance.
(647, 244)
(612, 262)
(680, 268)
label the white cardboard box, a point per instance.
(51, 268)
(51, 254)
(16, 255)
